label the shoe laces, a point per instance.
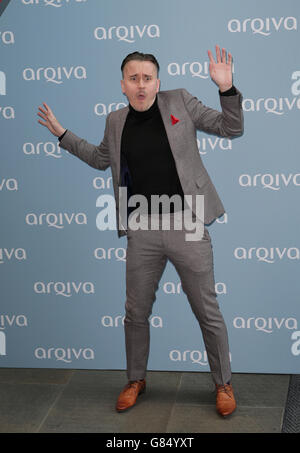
(134, 383)
(226, 388)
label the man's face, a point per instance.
(140, 84)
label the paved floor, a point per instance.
(82, 401)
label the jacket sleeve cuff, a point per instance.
(60, 138)
(231, 92)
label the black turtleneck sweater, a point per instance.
(146, 151)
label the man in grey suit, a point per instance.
(152, 150)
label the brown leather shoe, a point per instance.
(225, 399)
(129, 395)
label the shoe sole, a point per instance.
(227, 415)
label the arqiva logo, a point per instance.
(295, 349)
(2, 83)
(263, 26)
(270, 181)
(9, 254)
(268, 255)
(127, 33)
(2, 343)
(55, 3)
(55, 75)
(64, 354)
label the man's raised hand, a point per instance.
(50, 121)
(221, 71)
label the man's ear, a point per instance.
(122, 86)
(158, 86)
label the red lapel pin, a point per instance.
(174, 120)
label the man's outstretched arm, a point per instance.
(95, 156)
(229, 122)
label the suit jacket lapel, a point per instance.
(120, 123)
(175, 136)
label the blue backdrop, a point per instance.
(62, 279)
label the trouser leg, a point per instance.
(194, 264)
(145, 264)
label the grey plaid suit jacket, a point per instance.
(192, 116)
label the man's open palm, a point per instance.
(221, 70)
(50, 121)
